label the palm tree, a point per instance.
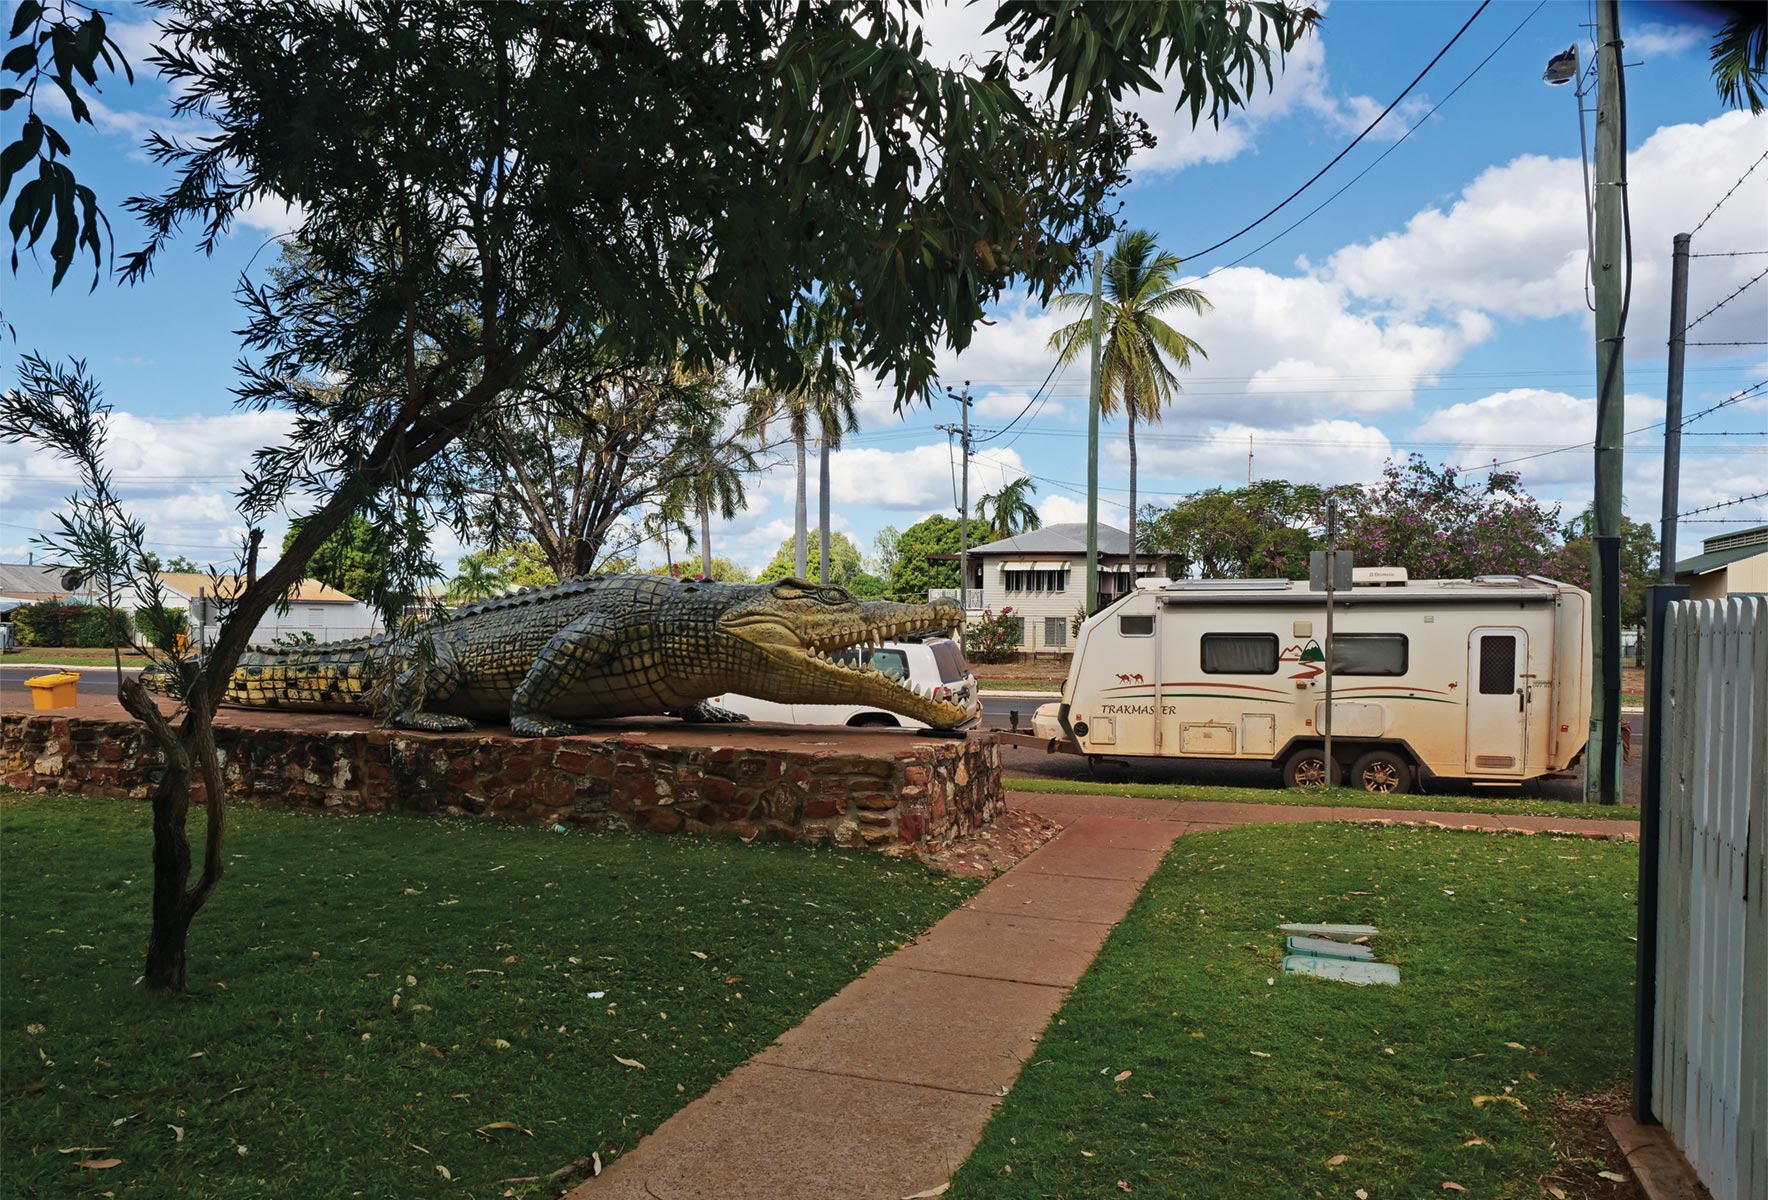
(1133, 373)
(826, 395)
(476, 580)
(1008, 512)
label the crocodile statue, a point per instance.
(548, 658)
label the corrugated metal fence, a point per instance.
(1710, 1047)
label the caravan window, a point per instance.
(1142, 626)
(1497, 665)
(1369, 654)
(1239, 653)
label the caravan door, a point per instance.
(1497, 700)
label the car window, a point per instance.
(886, 659)
(891, 662)
(950, 661)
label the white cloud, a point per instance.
(1061, 508)
(176, 474)
(1324, 451)
(1514, 243)
(1653, 38)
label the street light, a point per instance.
(1564, 68)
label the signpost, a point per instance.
(1329, 571)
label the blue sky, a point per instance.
(1435, 306)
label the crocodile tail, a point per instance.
(332, 676)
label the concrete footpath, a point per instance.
(884, 1090)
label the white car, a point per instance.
(935, 663)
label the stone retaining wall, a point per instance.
(879, 791)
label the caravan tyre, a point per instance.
(1382, 772)
(1305, 768)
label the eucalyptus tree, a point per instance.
(746, 159)
(1134, 378)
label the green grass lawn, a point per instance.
(1512, 804)
(1006, 683)
(73, 656)
(373, 998)
(1185, 1064)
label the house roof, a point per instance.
(24, 581)
(308, 591)
(1700, 564)
(1058, 539)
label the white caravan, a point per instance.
(1485, 679)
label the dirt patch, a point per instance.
(1585, 1154)
(995, 847)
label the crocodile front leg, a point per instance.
(582, 647)
(419, 683)
(708, 713)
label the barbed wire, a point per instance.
(1729, 254)
(1734, 295)
(1727, 195)
(1735, 398)
(1725, 343)
(1722, 504)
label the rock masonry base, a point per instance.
(866, 788)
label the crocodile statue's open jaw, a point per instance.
(808, 669)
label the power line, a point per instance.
(1732, 188)
(1366, 132)
(1734, 295)
(1416, 125)
(1722, 504)
(1054, 367)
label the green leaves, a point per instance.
(75, 47)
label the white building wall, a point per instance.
(327, 622)
(1046, 611)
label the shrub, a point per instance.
(46, 623)
(993, 638)
(99, 626)
(162, 627)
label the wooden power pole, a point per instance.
(1602, 774)
(1092, 602)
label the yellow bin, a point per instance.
(54, 691)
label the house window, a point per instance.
(1055, 631)
(1369, 654)
(1142, 626)
(1239, 653)
(1034, 577)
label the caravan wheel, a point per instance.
(1305, 768)
(1382, 772)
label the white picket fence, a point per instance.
(1710, 1044)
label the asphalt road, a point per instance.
(100, 683)
(1041, 765)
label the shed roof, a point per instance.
(1700, 564)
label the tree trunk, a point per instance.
(822, 505)
(800, 521)
(1130, 405)
(706, 537)
(164, 968)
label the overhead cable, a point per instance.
(1367, 130)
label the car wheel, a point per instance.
(1382, 773)
(873, 721)
(1305, 768)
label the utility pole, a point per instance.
(1602, 783)
(1249, 460)
(1331, 763)
(1673, 407)
(1092, 604)
(963, 432)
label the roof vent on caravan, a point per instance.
(1153, 583)
(1378, 577)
